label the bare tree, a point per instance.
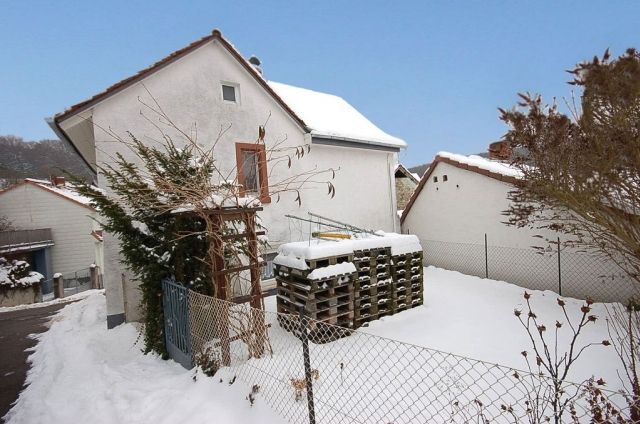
(581, 171)
(546, 382)
(624, 330)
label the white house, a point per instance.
(406, 183)
(460, 201)
(55, 228)
(210, 84)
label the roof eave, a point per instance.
(64, 138)
(176, 55)
(347, 139)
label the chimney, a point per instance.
(57, 181)
(499, 150)
(255, 62)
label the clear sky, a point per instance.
(430, 72)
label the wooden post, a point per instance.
(58, 286)
(93, 274)
(257, 317)
(216, 249)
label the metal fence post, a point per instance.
(559, 271)
(486, 257)
(307, 365)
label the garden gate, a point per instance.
(175, 302)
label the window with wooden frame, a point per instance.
(251, 162)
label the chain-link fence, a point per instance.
(73, 282)
(569, 273)
(77, 281)
(313, 372)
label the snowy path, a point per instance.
(83, 373)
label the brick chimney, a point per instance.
(57, 181)
(499, 150)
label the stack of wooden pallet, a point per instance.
(329, 300)
(373, 284)
(407, 287)
(353, 283)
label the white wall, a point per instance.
(464, 208)
(29, 207)
(189, 92)
(452, 217)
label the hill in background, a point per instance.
(20, 159)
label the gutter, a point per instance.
(53, 124)
(318, 138)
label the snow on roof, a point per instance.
(331, 116)
(65, 190)
(498, 167)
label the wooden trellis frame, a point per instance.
(221, 272)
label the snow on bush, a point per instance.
(17, 274)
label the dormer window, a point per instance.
(229, 92)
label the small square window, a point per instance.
(445, 178)
(435, 179)
(228, 93)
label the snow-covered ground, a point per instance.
(83, 373)
(474, 317)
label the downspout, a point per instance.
(392, 191)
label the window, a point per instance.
(251, 161)
(435, 179)
(445, 178)
(229, 93)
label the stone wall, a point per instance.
(20, 295)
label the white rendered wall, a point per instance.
(29, 207)
(452, 217)
(189, 92)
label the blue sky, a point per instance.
(430, 72)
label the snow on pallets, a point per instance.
(329, 299)
(408, 281)
(377, 276)
(373, 284)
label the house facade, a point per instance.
(459, 205)
(406, 183)
(54, 228)
(208, 85)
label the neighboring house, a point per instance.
(462, 198)
(419, 170)
(406, 183)
(54, 228)
(208, 83)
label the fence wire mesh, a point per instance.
(77, 281)
(354, 377)
(570, 273)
